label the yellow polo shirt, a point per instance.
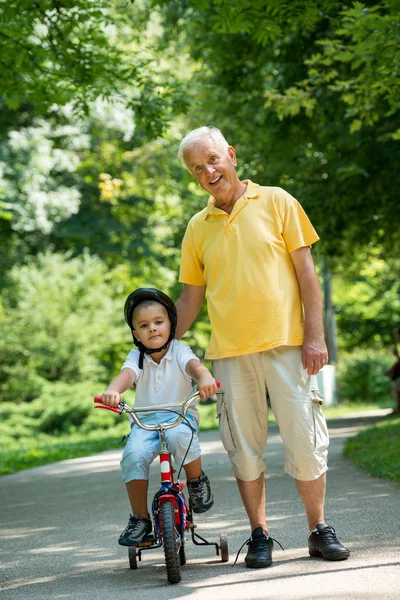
(243, 258)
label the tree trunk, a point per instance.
(329, 315)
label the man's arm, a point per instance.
(188, 307)
(314, 351)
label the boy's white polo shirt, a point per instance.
(163, 383)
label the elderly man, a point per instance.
(250, 250)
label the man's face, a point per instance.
(213, 167)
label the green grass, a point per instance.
(46, 449)
(55, 449)
(345, 409)
(377, 450)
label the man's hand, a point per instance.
(314, 355)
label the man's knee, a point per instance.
(307, 470)
(246, 467)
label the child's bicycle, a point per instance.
(172, 515)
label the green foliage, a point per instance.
(78, 183)
(62, 423)
(360, 376)
(68, 415)
(367, 300)
(315, 92)
(52, 450)
(75, 52)
(54, 52)
(377, 450)
(361, 65)
(62, 412)
(60, 321)
(36, 183)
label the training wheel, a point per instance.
(223, 546)
(132, 557)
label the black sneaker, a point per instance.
(324, 544)
(136, 531)
(259, 554)
(201, 498)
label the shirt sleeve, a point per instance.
(132, 362)
(183, 354)
(297, 228)
(192, 269)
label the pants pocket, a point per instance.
(321, 435)
(316, 396)
(225, 428)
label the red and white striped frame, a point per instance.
(165, 467)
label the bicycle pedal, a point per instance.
(148, 541)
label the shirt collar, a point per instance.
(168, 356)
(252, 191)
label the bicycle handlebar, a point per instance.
(183, 406)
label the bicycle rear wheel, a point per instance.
(171, 542)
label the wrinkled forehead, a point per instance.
(201, 150)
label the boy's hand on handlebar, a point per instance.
(206, 385)
(111, 398)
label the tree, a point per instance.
(72, 52)
(314, 89)
(367, 301)
(61, 320)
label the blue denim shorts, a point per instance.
(143, 446)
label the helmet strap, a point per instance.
(144, 350)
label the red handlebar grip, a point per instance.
(99, 399)
(116, 410)
(218, 383)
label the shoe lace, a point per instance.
(328, 535)
(256, 544)
(134, 523)
(196, 490)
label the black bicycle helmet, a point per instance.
(141, 295)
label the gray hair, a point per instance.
(198, 134)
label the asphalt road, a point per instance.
(59, 526)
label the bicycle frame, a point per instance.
(170, 490)
(169, 502)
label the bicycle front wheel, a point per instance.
(171, 542)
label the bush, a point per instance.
(61, 319)
(66, 407)
(62, 409)
(20, 382)
(360, 376)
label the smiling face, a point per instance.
(151, 324)
(213, 166)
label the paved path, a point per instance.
(59, 526)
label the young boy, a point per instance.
(162, 369)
